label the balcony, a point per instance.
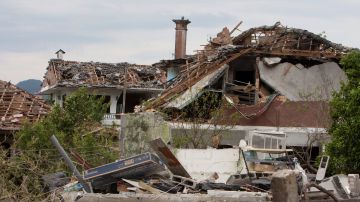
(111, 118)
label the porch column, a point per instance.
(58, 98)
(113, 102)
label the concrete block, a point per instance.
(284, 186)
(354, 184)
(184, 181)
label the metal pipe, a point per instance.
(69, 163)
(246, 165)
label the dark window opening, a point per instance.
(132, 99)
(244, 77)
(241, 80)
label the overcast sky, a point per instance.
(142, 32)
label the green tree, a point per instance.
(344, 148)
(74, 126)
(201, 123)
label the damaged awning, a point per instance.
(196, 90)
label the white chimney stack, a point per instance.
(60, 54)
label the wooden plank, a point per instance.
(7, 110)
(2, 96)
(149, 188)
(225, 79)
(168, 158)
(30, 108)
(142, 185)
(80, 160)
(236, 27)
(21, 103)
(300, 53)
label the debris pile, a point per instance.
(16, 106)
(96, 74)
(161, 174)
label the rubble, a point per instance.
(146, 177)
(95, 74)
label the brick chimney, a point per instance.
(180, 37)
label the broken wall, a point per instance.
(141, 128)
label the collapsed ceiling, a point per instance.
(16, 106)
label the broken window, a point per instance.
(241, 79)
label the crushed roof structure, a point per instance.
(62, 73)
(264, 41)
(16, 106)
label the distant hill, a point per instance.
(31, 85)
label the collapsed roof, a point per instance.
(264, 41)
(16, 106)
(281, 40)
(62, 73)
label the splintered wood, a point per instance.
(197, 71)
(264, 41)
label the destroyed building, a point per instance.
(276, 78)
(17, 107)
(141, 82)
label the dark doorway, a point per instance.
(132, 99)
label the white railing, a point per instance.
(111, 116)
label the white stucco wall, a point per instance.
(202, 163)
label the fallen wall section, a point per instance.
(298, 83)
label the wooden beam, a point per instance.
(236, 27)
(7, 110)
(192, 79)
